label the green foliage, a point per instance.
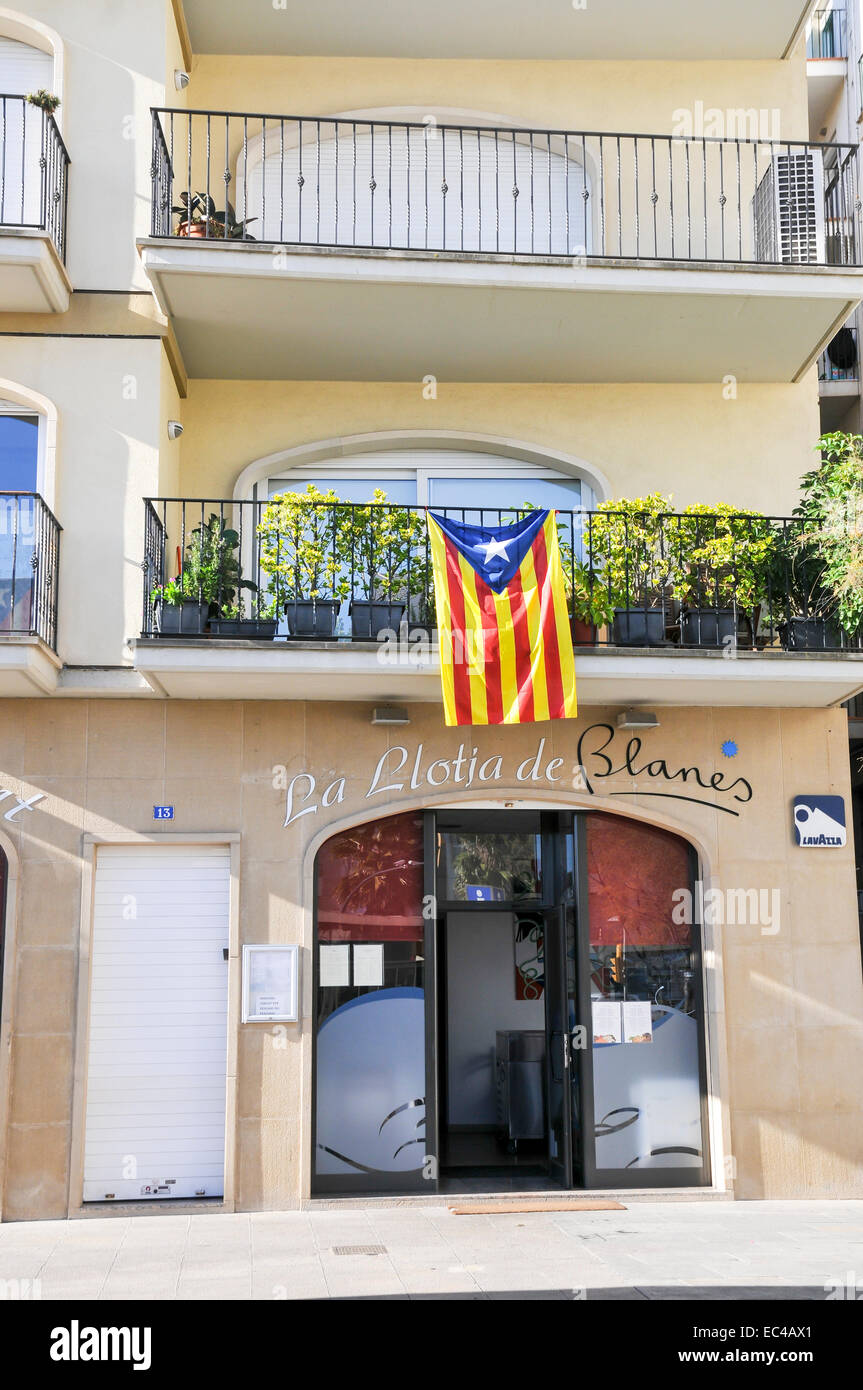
(624, 544)
(383, 546)
(299, 536)
(826, 552)
(210, 571)
(45, 101)
(172, 593)
(721, 556)
(197, 208)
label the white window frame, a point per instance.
(8, 407)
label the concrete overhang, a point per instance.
(221, 670)
(27, 667)
(33, 279)
(264, 312)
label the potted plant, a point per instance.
(300, 551)
(45, 101)
(722, 559)
(824, 550)
(211, 569)
(178, 612)
(199, 217)
(379, 545)
(233, 622)
(625, 549)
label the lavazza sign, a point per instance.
(599, 755)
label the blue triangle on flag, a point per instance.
(495, 552)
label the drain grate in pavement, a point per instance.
(359, 1249)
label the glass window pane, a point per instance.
(507, 494)
(19, 452)
(17, 542)
(647, 1094)
(403, 490)
(370, 1050)
(496, 866)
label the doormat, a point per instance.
(504, 1208)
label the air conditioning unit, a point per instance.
(788, 210)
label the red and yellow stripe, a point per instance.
(505, 658)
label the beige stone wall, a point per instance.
(785, 1030)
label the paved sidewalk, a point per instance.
(653, 1250)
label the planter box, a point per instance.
(182, 619)
(252, 629)
(708, 627)
(583, 633)
(639, 627)
(808, 635)
(369, 617)
(312, 617)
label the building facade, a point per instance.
(590, 256)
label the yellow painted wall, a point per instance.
(686, 440)
(596, 96)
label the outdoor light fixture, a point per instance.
(637, 719)
(390, 714)
(175, 429)
(181, 79)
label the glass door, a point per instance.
(558, 1052)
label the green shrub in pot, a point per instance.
(827, 546)
(300, 548)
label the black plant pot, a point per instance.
(312, 617)
(709, 627)
(808, 635)
(256, 629)
(369, 617)
(639, 627)
(182, 619)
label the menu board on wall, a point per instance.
(270, 984)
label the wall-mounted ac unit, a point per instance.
(788, 210)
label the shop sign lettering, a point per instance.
(10, 812)
(397, 771)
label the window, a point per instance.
(19, 451)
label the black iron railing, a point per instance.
(34, 170)
(826, 34)
(29, 564)
(840, 360)
(298, 567)
(296, 180)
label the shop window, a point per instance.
(644, 997)
(370, 1007)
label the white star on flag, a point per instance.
(493, 548)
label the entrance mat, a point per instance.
(504, 1208)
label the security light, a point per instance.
(181, 79)
(390, 714)
(637, 719)
(175, 429)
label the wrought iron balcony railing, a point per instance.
(34, 170)
(826, 34)
(840, 360)
(29, 564)
(301, 181)
(294, 567)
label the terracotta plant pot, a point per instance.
(198, 229)
(583, 633)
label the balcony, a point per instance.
(288, 247)
(295, 598)
(826, 66)
(34, 169)
(615, 29)
(29, 565)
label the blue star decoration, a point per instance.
(729, 748)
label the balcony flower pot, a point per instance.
(312, 617)
(193, 229)
(708, 627)
(583, 633)
(250, 629)
(808, 635)
(639, 627)
(187, 619)
(370, 617)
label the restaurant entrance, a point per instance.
(508, 1000)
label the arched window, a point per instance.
(23, 69)
(415, 186)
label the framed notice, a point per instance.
(270, 984)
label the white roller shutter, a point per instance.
(157, 1066)
(22, 69)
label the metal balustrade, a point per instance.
(34, 170)
(483, 190)
(29, 564)
(840, 360)
(294, 567)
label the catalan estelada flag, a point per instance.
(505, 643)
